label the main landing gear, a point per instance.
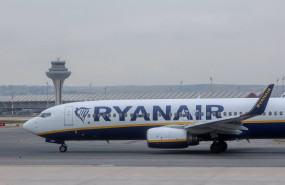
(63, 147)
(219, 146)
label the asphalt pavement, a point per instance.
(19, 147)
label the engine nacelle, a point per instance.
(166, 137)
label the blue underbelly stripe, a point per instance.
(260, 130)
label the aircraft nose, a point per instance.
(29, 126)
(26, 125)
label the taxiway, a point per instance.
(18, 147)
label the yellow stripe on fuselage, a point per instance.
(264, 121)
(115, 126)
(167, 141)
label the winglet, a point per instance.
(261, 103)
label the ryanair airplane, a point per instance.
(164, 123)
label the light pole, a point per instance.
(47, 94)
(211, 86)
(277, 80)
(90, 86)
(12, 105)
(105, 91)
(283, 83)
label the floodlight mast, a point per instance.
(58, 73)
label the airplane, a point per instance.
(164, 123)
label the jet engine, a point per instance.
(166, 137)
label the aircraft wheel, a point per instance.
(223, 146)
(63, 148)
(215, 147)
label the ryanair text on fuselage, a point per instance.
(102, 112)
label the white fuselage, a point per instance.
(81, 119)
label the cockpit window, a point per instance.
(45, 115)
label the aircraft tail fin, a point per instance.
(261, 103)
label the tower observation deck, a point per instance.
(58, 73)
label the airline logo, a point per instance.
(81, 113)
(140, 112)
(263, 97)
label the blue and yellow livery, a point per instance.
(164, 123)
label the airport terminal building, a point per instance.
(34, 104)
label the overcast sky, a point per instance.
(146, 42)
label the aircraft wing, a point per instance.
(229, 125)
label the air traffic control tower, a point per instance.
(58, 73)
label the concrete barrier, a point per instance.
(11, 125)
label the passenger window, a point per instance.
(230, 113)
(180, 114)
(281, 113)
(202, 113)
(264, 114)
(120, 115)
(240, 113)
(159, 114)
(235, 113)
(175, 114)
(219, 114)
(126, 115)
(214, 113)
(137, 114)
(109, 115)
(88, 116)
(170, 114)
(148, 114)
(131, 114)
(114, 115)
(270, 113)
(225, 113)
(142, 114)
(275, 113)
(208, 114)
(186, 114)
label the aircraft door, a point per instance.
(68, 116)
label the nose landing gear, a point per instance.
(219, 146)
(63, 148)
